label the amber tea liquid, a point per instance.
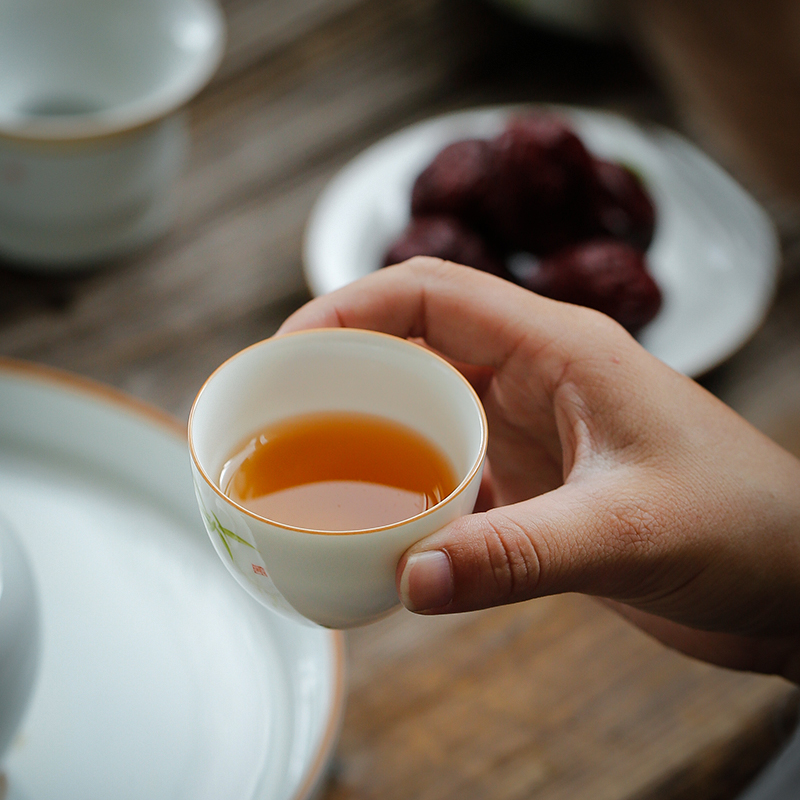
(337, 471)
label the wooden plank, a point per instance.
(259, 28)
(557, 699)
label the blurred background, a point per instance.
(304, 86)
(307, 84)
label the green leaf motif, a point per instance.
(213, 523)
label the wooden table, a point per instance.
(557, 698)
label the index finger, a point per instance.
(467, 315)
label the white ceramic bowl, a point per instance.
(335, 579)
(19, 634)
(90, 141)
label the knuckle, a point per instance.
(515, 565)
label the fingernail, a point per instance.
(427, 581)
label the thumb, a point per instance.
(561, 541)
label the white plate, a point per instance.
(161, 678)
(715, 252)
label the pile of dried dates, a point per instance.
(534, 206)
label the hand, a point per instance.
(608, 473)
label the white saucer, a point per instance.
(160, 677)
(715, 253)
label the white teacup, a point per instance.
(335, 579)
(19, 634)
(91, 142)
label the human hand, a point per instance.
(608, 473)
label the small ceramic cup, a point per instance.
(19, 634)
(91, 136)
(335, 579)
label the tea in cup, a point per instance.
(320, 457)
(91, 138)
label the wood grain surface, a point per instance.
(553, 699)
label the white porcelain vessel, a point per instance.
(19, 634)
(335, 579)
(91, 135)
